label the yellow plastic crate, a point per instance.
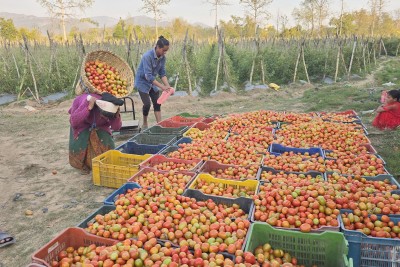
(192, 132)
(113, 168)
(249, 184)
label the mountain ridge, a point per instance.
(48, 23)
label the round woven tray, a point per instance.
(110, 59)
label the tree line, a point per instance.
(313, 19)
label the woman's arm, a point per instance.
(79, 111)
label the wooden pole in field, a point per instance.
(373, 51)
(384, 47)
(29, 61)
(337, 62)
(296, 66)
(304, 63)
(363, 56)
(397, 49)
(186, 62)
(218, 63)
(352, 56)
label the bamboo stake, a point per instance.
(384, 48)
(363, 56)
(16, 65)
(352, 56)
(337, 62)
(297, 64)
(28, 58)
(219, 62)
(373, 51)
(304, 64)
(186, 63)
(262, 71)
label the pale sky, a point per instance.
(190, 10)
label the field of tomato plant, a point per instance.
(56, 68)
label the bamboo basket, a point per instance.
(111, 59)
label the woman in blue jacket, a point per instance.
(151, 65)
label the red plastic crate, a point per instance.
(174, 124)
(201, 126)
(70, 237)
(186, 120)
(157, 159)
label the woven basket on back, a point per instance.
(112, 60)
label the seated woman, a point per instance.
(92, 118)
(389, 113)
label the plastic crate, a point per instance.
(122, 190)
(165, 151)
(369, 251)
(273, 171)
(380, 177)
(369, 148)
(113, 168)
(189, 120)
(145, 170)
(159, 130)
(188, 115)
(201, 126)
(208, 120)
(157, 159)
(151, 139)
(191, 131)
(103, 210)
(70, 237)
(173, 124)
(132, 147)
(183, 140)
(327, 249)
(250, 184)
(278, 148)
(246, 204)
(212, 165)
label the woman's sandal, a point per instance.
(6, 239)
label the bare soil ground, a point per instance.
(35, 174)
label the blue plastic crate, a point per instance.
(246, 204)
(165, 151)
(102, 211)
(132, 147)
(183, 140)
(380, 177)
(122, 190)
(274, 171)
(278, 148)
(367, 251)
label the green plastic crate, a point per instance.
(327, 249)
(159, 130)
(188, 115)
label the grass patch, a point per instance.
(389, 73)
(335, 98)
(388, 148)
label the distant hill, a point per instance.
(47, 23)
